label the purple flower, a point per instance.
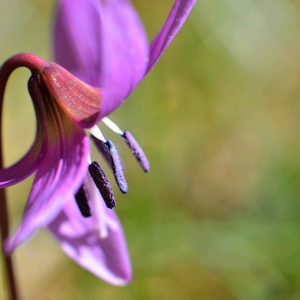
(104, 44)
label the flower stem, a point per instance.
(4, 228)
(33, 63)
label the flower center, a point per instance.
(111, 155)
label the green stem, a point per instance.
(4, 228)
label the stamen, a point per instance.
(95, 131)
(114, 127)
(136, 150)
(102, 184)
(116, 166)
(89, 158)
(102, 148)
(131, 142)
(82, 199)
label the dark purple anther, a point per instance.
(82, 199)
(102, 184)
(103, 150)
(136, 150)
(116, 166)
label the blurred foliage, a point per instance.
(217, 217)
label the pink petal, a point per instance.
(58, 177)
(29, 163)
(96, 243)
(104, 45)
(126, 52)
(175, 20)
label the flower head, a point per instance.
(103, 43)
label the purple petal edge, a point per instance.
(175, 20)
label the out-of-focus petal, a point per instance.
(96, 243)
(58, 177)
(78, 39)
(104, 44)
(126, 52)
(28, 164)
(175, 20)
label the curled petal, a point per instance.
(29, 163)
(175, 20)
(79, 100)
(59, 175)
(96, 243)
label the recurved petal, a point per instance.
(78, 39)
(175, 20)
(28, 164)
(79, 100)
(96, 243)
(58, 177)
(126, 52)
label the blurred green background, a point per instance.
(218, 215)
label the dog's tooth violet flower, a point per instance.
(103, 43)
(64, 196)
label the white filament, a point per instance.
(89, 159)
(114, 127)
(96, 132)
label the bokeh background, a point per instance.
(218, 215)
